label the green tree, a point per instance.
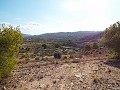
(57, 45)
(69, 43)
(10, 39)
(44, 46)
(87, 47)
(95, 45)
(111, 39)
(57, 55)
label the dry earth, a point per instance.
(85, 75)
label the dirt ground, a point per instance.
(45, 75)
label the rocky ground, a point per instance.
(46, 75)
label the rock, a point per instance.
(54, 82)
(3, 82)
(31, 80)
(40, 77)
(79, 75)
(109, 71)
(4, 88)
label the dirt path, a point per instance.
(89, 75)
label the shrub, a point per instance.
(71, 56)
(87, 47)
(27, 49)
(22, 56)
(111, 39)
(95, 46)
(10, 39)
(57, 55)
(65, 57)
(75, 61)
(113, 55)
(57, 45)
(44, 46)
(37, 58)
(32, 55)
(27, 60)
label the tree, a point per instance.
(69, 43)
(44, 46)
(10, 39)
(57, 55)
(57, 45)
(87, 47)
(95, 46)
(111, 39)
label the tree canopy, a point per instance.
(10, 39)
(87, 47)
(95, 45)
(111, 39)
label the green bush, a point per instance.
(57, 45)
(10, 39)
(23, 56)
(44, 46)
(111, 39)
(27, 60)
(113, 55)
(87, 47)
(57, 55)
(32, 55)
(71, 56)
(37, 58)
(95, 46)
(65, 57)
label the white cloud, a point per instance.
(34, 28)
(90, 23)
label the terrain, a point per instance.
(79, 68)
(87, 73)
(77, 37)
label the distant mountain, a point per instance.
(91, 38)
(78, 37)
(26, 35)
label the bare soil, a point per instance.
(46, 75)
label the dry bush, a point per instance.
(75, 61)
(32, 55)
(68, 61)
(37, 58)
(21, 60)
(65, 57)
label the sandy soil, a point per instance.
(44, 75)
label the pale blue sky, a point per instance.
(46, 16)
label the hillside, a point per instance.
(26, 35)
(91, 38)
(46, 75)
(63, 36)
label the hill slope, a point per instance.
(63, 36)
(45, 75)
(26, 35)
(91, 38)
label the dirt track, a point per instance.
(86, 75)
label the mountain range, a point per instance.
(77, 37)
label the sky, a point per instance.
(48, 16)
